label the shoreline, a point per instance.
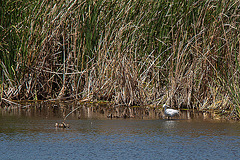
(107, 110)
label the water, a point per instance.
(35, 137)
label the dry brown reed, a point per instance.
(186, 54)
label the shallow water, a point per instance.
(35, 137)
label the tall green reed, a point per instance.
(129, 52)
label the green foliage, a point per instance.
(184, 45)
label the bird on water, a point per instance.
(170, 112)
(62, 125)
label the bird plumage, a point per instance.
(170, 112)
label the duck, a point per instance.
(170, 112)
(62, 125)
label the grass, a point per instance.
(130, 52)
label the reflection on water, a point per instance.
(98, 111)
(169, 124)
(31, 134)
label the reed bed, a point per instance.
(184, 53)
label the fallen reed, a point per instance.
(184, 53)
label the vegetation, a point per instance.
(185, 53)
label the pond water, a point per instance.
(34, 136)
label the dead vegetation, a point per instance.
(185, 54)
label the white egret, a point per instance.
(170, 112)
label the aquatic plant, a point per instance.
(128, 52)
